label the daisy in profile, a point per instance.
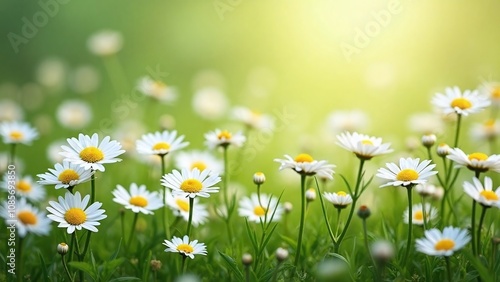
(191, 183)
(253, 119)
(488, 130)
(198, 159)
(157, 90)
(65, 175)
(340, 200)
(478, 161)
(410, 172)
(483, 194)
(491, 89)
(73, 214)
(105, 42)
(25, 188)
(89, 153)
(418, 214)
(306, 165)
(138, 199)
(14, 132)
(28, 219)
(160, 143)
(224, 138)
(251, 208)
(185, 247)
(180, 207)
(426, 189)
(454, 101)
(437, 243)
(363, 146)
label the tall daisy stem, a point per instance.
(132, 229)
(457, 131)
(225, 182)
(410, 224)
(424, 214)
(164, 209)
(481, 219)
(190, 219)
(12, 154)
(66, 268)
(92, 187)
(302, 218)
(20, 258)
(183, 264)
(365, 233)
(448, 268)
(332, 237)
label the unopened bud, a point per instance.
(259, 178)
(429, 140)
(288, 207)
(443, 150)
(382, 251)
(62, 249)
(246, 259)
(155, 265)
(310, 194)
(281, 254)
(364, 212)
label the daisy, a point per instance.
(491, 89)
(478, 161)
(340, 121)
(305, 164)
(185, 247)
(105, 42)
(198, 159)
(426, 189)
(363, 146)
(65, 176)
(250, 208)
(28, 219)
(437, 243)
(418, 214)
(483, 194)
(138, 200)
(210, 102)
(10, 110)
(157, 90)
(87, 152)
(14, 132)
(426, 123)
(223, 138)
(454, 101)
(72, 212)
(160, 143)
(74, 114)
(487, 130)
(180, 207)
(339, 200)
(191, 183)
(253, 119)
(410, 172)
(25, 187)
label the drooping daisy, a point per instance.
(157, 90)
(72, 212)
(224, 138)
(138, 200)
(409, 172)
(191, 183)
(483, 194)
(418, 214)
(340, 200)
(199, 159)
(477, 161)
(253, 119)
(454, 101)
(363, 146)
(180, 207)
(28, 219)
(25, 187)
(15, 132)
(160, 143)
(437, 243)
(185, 247)
(87, 152)
(65, 175)
(250, 208)
(105, 42)
(74, 114)
(487, 130)
(305, 164)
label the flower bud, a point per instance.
(443, 150)
(155, 265)
(288, 207)
(429, 140)
(281, 254)
(259, 178)
(382, 251)
(310, 194)
(246, 259)
(364, 212)
(62, 249)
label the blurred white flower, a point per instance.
(17, 132)
(199, 159)
(10, 111)
(487, 130)
(253, 119)
(354, 120)
(74, 114)
(208, 78)
(105, 42)
(157, 90)
(84, 79)
(53, 151)
(425, 123)
(491, 89)
(210, 103)
(51, 73)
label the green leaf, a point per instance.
(232, 265)
(481, 269)
(289, 241)
(110, 268)
(125, 279)
(44, 268)
(115, 254)
(85, 267)
(146, 267)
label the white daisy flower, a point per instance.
(105, 42)
(437, 243)
(157, 90)
(250, 208)
(487, 130)
(52, 73)
(426, 189)
(483, 194)
(28, 219)
(14, 132)
(10, 110)
(409, 172)
(454, 101)
(210, 103)
(491, 89)
(180, 207)
(191, 183)
(74, 114)
(340, 121)
(418, 214)
(200, 160)
(426, 123)
(185, 247)
(84, 79)
(65, 175)
(138, 200)
(25, 187)
(305, 164)
(160, 143)
(339, 199)
(477, 161)
(87, 152)
(253, 119)
(72, 212)
(363, 146)
(224, 138)
(443, 150)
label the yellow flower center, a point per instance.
(161, 146)
(16, 135)
(138, 201)
(75, 216)
(495, 92)
(461, 103)
(478, 156)
(199, 165)
(407, 175)
(23, 185)
(157, 88)
(183, 205)
(259, 211)
(489, 195)
(489, 123)
(366, 142)
(444, 245)
(27, 217)
(224, 135)
(342, 193)
(91, 154)
(186, 248)
(419, 215)
(191, 186)
(68, 175)
(304, 158)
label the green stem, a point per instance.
(481, 219)
(183, 264)
(424, 213)
(325, 216)
(80, 257)
(66, 268)
(132, 229)
(73, 236)
(338, 222)
(190, 219)
(457, 131)
(12, 154)
(410, 225)
(472, 228)
(164, 209)
(19, 275)
(225, 181)
(302, 218)
(247, 274)
(365, 233)
(92, 187)
(448, 268)
(258, 194)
